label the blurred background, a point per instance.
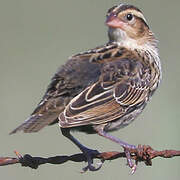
(36, 37)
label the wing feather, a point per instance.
(105, 101)
(127, 94)
(102, 107)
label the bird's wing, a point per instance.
(72, 78)
(121, 86)
(69, 81)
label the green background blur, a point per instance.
(37, 36)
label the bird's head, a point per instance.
(127, 25)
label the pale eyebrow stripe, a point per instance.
(134, 12)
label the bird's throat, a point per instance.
(119, 36)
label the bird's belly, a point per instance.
(126, 119)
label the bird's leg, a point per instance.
(125, 145)
(89, 153)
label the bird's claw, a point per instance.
(133, 169)
(90, 154)
(129, 161)
(90, 167)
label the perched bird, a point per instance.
(105, 88)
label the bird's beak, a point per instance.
(114, 22)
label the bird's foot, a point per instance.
(90, 154)
(128, 156)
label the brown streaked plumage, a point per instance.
(105, 88)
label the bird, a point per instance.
(105, 88)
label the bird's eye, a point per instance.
(129, 17)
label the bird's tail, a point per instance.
(35, 123)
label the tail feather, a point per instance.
(35, 123)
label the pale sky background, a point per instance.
(38, 36)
